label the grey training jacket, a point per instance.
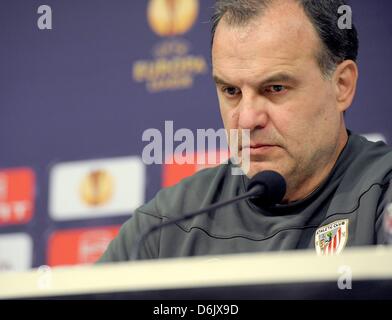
(345, 211)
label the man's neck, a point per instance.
(312, 183)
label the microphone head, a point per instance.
(274, 186)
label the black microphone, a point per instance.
(266, 187)
(274, 188)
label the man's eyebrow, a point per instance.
(278, 77)
(220, 81)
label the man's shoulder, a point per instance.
(362, 179)
(373, 157)
(378, 145)
(191, 193)
(366, 165)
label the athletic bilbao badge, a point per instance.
(331, 239)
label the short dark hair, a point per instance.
(337, 44)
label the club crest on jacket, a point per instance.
(331, 238)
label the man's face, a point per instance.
(268, 81)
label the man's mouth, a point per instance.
(258, 148)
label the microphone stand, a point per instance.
(255, 190)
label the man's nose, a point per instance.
(252, 112)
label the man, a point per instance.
(285, 71)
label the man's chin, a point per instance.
(255, 168)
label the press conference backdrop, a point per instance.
(76, 99)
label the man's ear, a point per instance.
(345, 80)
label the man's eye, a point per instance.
(231, 91)
(277, 88)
